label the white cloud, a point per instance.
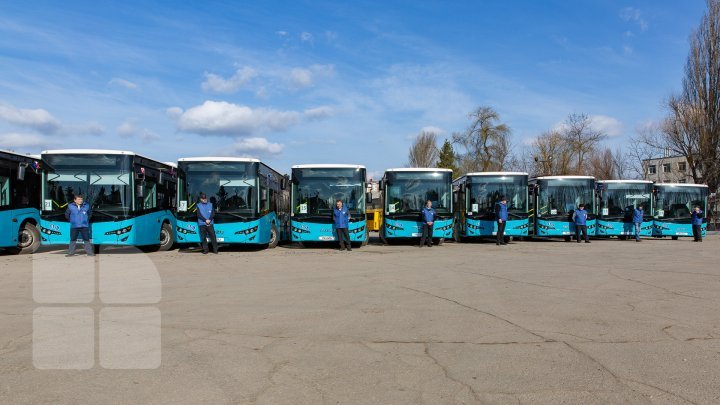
(117, 81)
(219, 84)
(318, 113)
(306, 37)
(632, 14)
(37, 119)
(304, 77)
(223, 118)
(12, 141)
(627, 50)
(609, 125)
(174, 112)
(129, 129)
(331, 36)
(89, 128)
(259, 146)
(432, 130)
(281, 33)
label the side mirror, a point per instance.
(381, 185)
(284, 182)
(140, 191)
(368, 198)
(21, 171)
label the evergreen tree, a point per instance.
(447, 158)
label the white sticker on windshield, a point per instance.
(606, 211)
(303, 208)
(661, 213)
(391, 208)
(475, 208)
(48, 205)
(553, 212)
(182, 206)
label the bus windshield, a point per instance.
(230, 186)
(678, 201)
(407, 192)
(562, 196)
(485, 191)
(619, 198)
(104, 180)
(315, 190)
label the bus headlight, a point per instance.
(604, 227)
(473, 226)
(247, 231)
(393, 227)
(49, 231)
(523, 226)
(184, 231)
(445, 228)
(358, 230)
(545, 227)
(120, 231)
(298, 230)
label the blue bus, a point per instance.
(673, 204)
(405, 192)
(554, 201)
(314, 191)
(19, 203)
(251, 200)
(476, 195)
(617, 200)
(132, 197)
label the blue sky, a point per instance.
(325, 82)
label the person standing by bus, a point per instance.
(501, 217)
(428, 220)
(78, 213)
(206, 224)
(341, 219)
(637, 219)
(580, 218)
(696, 217)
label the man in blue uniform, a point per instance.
(427, 215)
(637, 219)
(206, 224)
(501, 217)
(78, 213)
(341, 219)
(696, 217)
(580, 218)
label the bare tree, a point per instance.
(551, 155)
(602, 165)
(485, 144)
(582, 138)
(424, 151)
(647, 143)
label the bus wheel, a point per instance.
(167, 239)
(28, 239)
(383, 239)
(441, 241)
(274, 238)
(568, 238)
(366, 240)
(674, 238)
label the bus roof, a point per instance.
(419, 169)
(563, 177)
(171, 164)
(497, 174)
(328, 166)
(218, 159)
(681, 185)
(27, 156)
(97, 152)
(626, 181)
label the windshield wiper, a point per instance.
(232, 215)
(114, 217)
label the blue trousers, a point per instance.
(84, 233)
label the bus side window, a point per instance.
(4, 191)
(150, 195)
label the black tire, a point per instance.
(274, 238)
(167, 238)
(568, 238)
(366, 240)
(383, 239)
(674, 238)
(28, 239)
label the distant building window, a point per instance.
(667, 167)
(682, 166)
(652, 169)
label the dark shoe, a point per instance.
(205, 252)
(70, 255)
(91, 254)
(578, 241)
(497, 243)
(430, 245)
(349, 250)
(215, 253)
(638, 240)
(587, 241)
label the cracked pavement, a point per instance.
(532, 322)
